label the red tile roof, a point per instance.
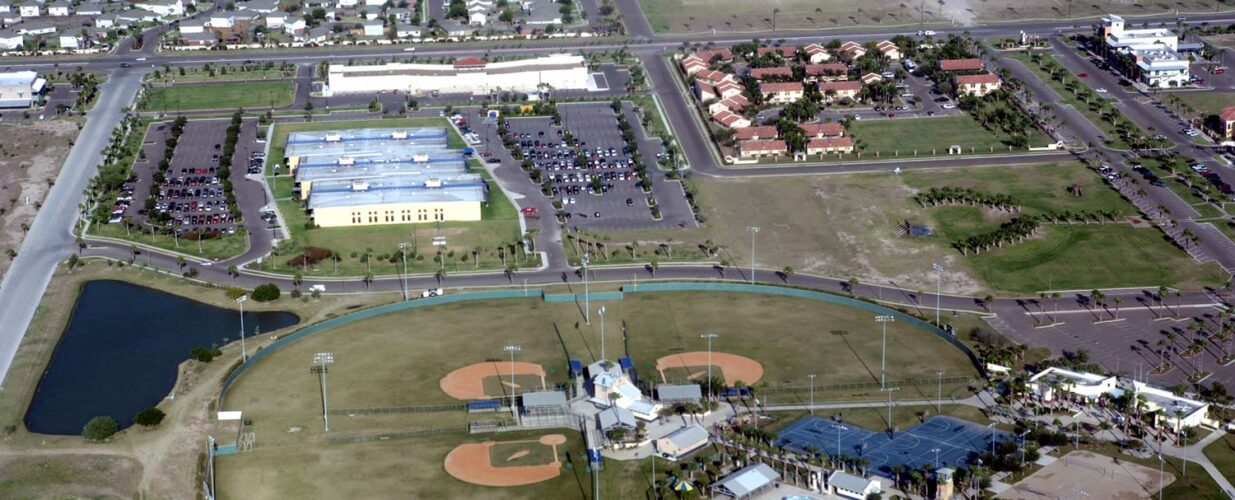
(736, 102)
(822, 129)
(871, 78)
(773, 88)
(841, 86)
(785, 51)
(762, 132)
(469, 62)
(727, 118)
(1227, 114)
(712, 76)
(829, 68)
(764, 146)
(813, 49)
(960, 64)
(984, 78)
(830, 143)
(760, 73)
(886, 45)
(708, 55)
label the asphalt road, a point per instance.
(50, 238)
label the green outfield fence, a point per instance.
(640, 288)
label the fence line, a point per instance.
(387, 436)
(400, 409)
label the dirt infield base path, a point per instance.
(1098, 475)
(736, 368)
(471, 463)
(469, 382)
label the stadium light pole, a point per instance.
(812, 392)
(244, 353)
(403, 252)
(322, 359)
(936, 450)
(512, 349)
(884, 319)
(938, 289)
(939, 393)
(753, 231)
(587, 311)
(890, 390)
(709, 336)
(601, 312)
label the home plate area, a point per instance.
(958, 442)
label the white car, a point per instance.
(926, 33)
(317, 288)
(432, 292)
(410, 49)
(948, 106)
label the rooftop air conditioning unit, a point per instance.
(433, 183)
(347, 160)
(420, 157)
(360, 186)
(399, 134)
(333, 137)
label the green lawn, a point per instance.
(397, 359)
(926, 136)
(1222, 454)
(219, 248)
(197, 74)
(277, 93)
(470, 245)
(1207, 103)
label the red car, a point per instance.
(529, 210)
(1082, 75)
(1220, 71)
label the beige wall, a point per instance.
(397, 213)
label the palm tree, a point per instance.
(1118, 301)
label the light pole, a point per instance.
(938, 290)
(709, 336)
(403, 252)
(838, 429)
(884, 319)
(1023, 434)
(1161, 473)
(587, 311)
(320, 360)
(753, 231)
(992, 428)
(939, 393)
(512, 349)
(601, 311)
(890, 390)
(812, 392)
(936, 450)
(244, 353)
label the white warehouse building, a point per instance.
(468, 75)
(1154, 52)
(1089, 386)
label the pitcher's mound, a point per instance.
(734, 367)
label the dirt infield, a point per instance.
(1097, 475)
(471, 463)
(733, 366)
(469, 382)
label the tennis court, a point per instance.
(958, 441)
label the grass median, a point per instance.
(232, 95)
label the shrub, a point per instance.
(204, 355)
(100, 428)
(235, 292)
(149, 417)
(266, 292)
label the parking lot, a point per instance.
(191, 198)
(594, 178)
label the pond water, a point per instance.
(121, 349)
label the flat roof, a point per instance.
(679, 392)
(1074, 377)
(748, 480)
(687, 436)
(544, 398)
(546, 63)
(320, 174)
(1167, 401)
(470, 192)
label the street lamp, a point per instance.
(884, 319)
(938, 289)
(512, 349)
(320, 360)
(838, 429)
(403, 252)
(601, 312)
(709, 336)
(753, 231)
(244, 353)
(587, 311)
(1023, 434)
(936, 450)
(890, 390)
(812, 392)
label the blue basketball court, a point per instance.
(959, 442)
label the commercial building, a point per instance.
(468, 75)
(1175, 412)
(397, 199)
(1150, 56)
(1090, 386)
(611, 387)
(19, 89)
(1226, 122)
(748, 482)
(682, 442)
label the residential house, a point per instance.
(827, 72)
(36, 28)
(404, 30)
(840, 90)
(319, 34)
(852, 50)
(296, 27)
(977, 85)
(9, 18)
(829, 145)
(1227, 120)
(785, 52)
(821, 130)
(733, 103)
(200, 39)
(715, 55)
(29, 9)
(477, 19)
(6, 6)
(759, 74)
(88, 9)
(889, 50)
(959, 65)
(222, 20)
(374, 28)
(761, 132)
(59, 8)
(164, 8)
(781, 93)
(870, 78)
(10, 40)
(731, 120)
(401, 14)
(760, 148)
(714, 77)
(260, 6)
(816, 54)
(190, 26)
(105, 22)
(133, 16)
(693, 64)
(69, 41)
(275, 20)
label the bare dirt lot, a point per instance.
(30, 159)
(1098, 475)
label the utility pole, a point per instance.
(244, 353)
(884, 319)
(753, 231)
(938, 290)
(320, 360)
(939, 393)
(602, 331)
(587, 311)
(812, 392)
(709, 336)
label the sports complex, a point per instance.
(940, 441)
(408, 382)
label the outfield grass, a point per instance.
(233, 95)
(926, 136)
(470, 245)
(397, 359)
